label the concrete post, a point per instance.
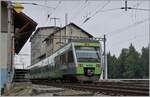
(9, 46)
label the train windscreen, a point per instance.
(87, 54)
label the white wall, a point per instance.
(3, 51)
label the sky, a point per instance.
(121, 27)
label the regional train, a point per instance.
(77, 60)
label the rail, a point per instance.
(112, 88)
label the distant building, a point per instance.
(38, 48)
(47, 40)
(16, 28)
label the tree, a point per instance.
(144, 61)
(132, 66)
(112, 62)
(129, 64)
(122, 62)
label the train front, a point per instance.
(88, 60)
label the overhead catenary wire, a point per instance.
(127, 40)
(139, 9)
(136, 5)
(59, 2)
(84, 4)
(135, 8)
(99, 10)
(97, 7)
(127, 27)
(107, 10)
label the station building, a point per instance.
(46, 40)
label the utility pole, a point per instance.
(126, 7)
(104, 54)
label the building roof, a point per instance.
(69, 25)
(80, 29)
(76, 27)
(40, 28)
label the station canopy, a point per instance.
(24, 27)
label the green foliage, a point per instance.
(121, 62)
(130, 64)
(145, 61)
(112, 63)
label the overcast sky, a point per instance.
(121, 27)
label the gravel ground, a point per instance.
(28, 89)
(19, 89)
(53, 91)
(38, 90)
(69, 92)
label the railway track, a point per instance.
(107, 88)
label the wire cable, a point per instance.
(49, 15)
(88, 18)
(84, 4)
(127, 27)
(127, 40)
(139, 9)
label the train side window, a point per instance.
(47, 68)
(42, 69)
(70, 57)
(57, 60)
(63, 59)
(52, 68)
